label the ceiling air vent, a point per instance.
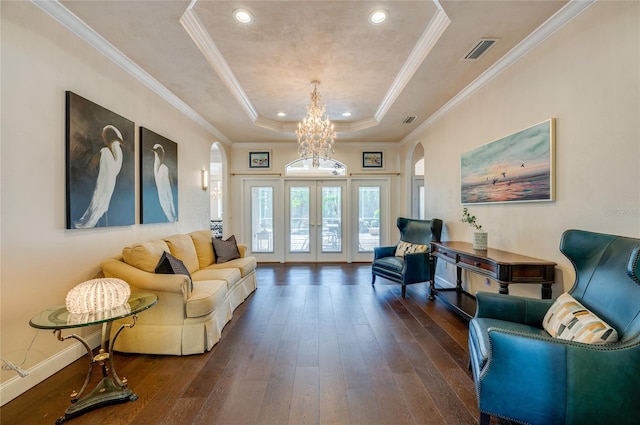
(408, 120)
(479, 48)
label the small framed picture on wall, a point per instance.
(372, 160)
(260, 159)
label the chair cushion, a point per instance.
(390, 263)
(409, 248)
(229, 275)
(181, 246)
(145, 256)
(246, 265)
(479, 334)
(207, 295)
(570, 320)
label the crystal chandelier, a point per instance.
(315, 133)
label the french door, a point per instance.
(309, 220)
(315, 221)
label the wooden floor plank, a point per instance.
(305, 408)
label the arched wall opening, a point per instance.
(416, 171)
(217, 180)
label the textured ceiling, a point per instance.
(237, 77)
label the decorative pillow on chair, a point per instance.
(226, 250)
(169, 264)
(409, 248)
(570, 320)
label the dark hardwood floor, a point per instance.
(315, 344)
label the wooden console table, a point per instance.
(502, 266)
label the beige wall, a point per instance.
(41, 260)
(587, 77)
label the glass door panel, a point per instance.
(369, 218)
(299, 233)
(331, 219)
(262, 219)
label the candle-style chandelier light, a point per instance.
(315, 133)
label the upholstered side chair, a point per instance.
(524, 374)
(408, 261)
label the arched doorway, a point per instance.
(217, 167)
(417, 182)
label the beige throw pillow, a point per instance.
(409, 248)
(570, 320)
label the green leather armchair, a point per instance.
(524, 375)
(411, 268)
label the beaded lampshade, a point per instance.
(97, 295)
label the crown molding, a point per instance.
(194, 27)
(438, 24)
(74, 24)
(544, 31)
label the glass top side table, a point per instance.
(110, 389)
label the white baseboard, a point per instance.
(15, 386)
(443, 283)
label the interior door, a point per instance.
(314, 221)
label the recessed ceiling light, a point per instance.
(281, 114)
(243, 16)
(378, 16)
(346, 114)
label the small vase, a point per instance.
(480, 241)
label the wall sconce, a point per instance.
(204, 175)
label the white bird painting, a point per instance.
(110, 165)
(163, 185)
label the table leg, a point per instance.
(504, 288)
(546, 291)
(109, 390)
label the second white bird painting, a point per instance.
(158, 177)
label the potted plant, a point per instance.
(480, 236)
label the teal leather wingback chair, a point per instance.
(524, 375)
(412, 268)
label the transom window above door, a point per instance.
(327, 168)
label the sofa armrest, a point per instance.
(173, 283)
(511, 308)
(384, 251)
(242, 249)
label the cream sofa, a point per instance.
(185, 320)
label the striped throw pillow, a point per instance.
(409, 248)
(570, 320)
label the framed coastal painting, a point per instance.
(158, 178)
(517, 168)
(372, 160)
(100, 166)
(260, 159)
